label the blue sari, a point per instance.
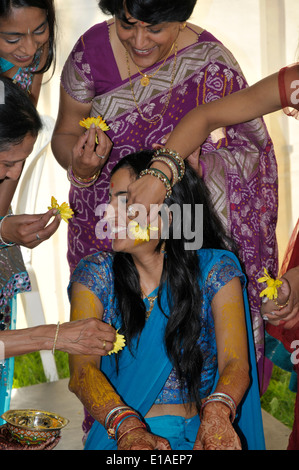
(141, 376)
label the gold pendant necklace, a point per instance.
(145, 80)
(152, 300)
(167, 101)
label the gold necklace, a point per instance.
(157, 118)
(145, 80)
(152, 300)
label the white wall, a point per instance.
(262, 34)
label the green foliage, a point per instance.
(278, 400)
(29, 369)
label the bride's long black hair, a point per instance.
(181, 272)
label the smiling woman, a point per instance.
(27, 41)
(181, 314)
(19, 127)
(154, 66)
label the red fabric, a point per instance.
(287, 337)
(287, 83)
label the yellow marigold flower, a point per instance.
(64, 209)
(98, 122)
(118, 345)
(141, 234)
(272, 286)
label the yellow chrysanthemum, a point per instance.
(64, 209)
(119, 344)
(141, 234)
(98, 122)
(272, 286)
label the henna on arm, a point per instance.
(216, 430)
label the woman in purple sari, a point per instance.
(142, 71)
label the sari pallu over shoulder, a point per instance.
(141, 376)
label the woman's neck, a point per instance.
(149, 267)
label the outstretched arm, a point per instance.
(193, 130)
(216, 430)
(242, 106)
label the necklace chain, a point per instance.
(152, 300)
(145, 80)
(156, 118)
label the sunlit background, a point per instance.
(262, 34)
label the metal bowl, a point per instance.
(29, 427)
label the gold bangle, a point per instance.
(55, 339)
(172, 154)
(171, 165)
(281, 306)
(86, 180)
(80, 182)
(161, 176)
(142, 426)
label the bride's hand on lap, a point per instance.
(140, 439)
(216, 431)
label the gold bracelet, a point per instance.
(171, 165)
(80, 182)
(172, 154)
(55, 339)
(161, 176)
(281, 306)
(86, 180)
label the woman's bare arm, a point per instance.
(192, 131)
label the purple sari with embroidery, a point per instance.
(239, 162)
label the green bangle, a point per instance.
(161, 176)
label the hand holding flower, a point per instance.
(92, 149)
(64, 209)
(272, 284)
(118, 344)
(284, 310)
(29, 230)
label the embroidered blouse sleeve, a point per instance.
(288, 82)
(223, 271)
(95, 273)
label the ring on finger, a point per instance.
(37, 236)
(104, 344)
(100, 156)
(131, 212)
